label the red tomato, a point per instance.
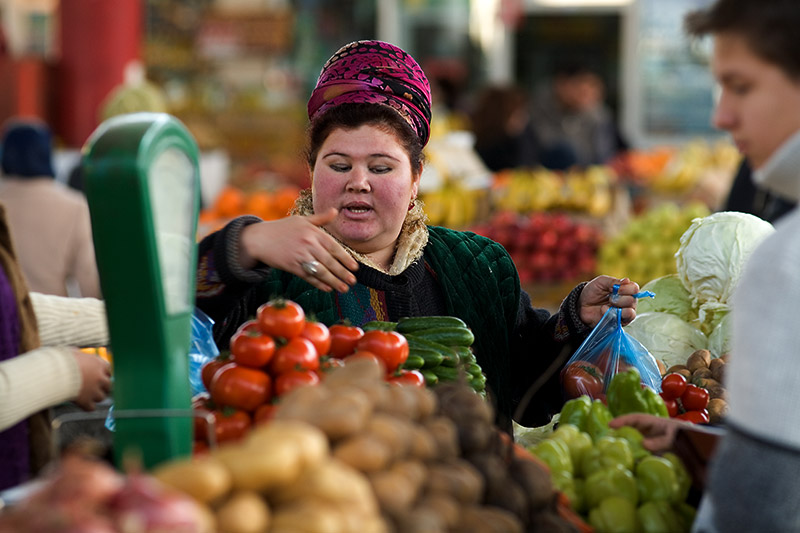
(390, 346)
(319, 335)
(697, 417)
(264, 413)
(209, 369)
(694, 398)
(294, 378)
(252, 348)
(199, 447)
(250, 325)
(407, 377)
(673, 386)
(229, 424)
(281, 318)
(672, 407)
(297, 354)
(580, 378)
(344, 339)
(241, 387)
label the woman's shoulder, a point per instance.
(441, 237)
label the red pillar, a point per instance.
(98, 38)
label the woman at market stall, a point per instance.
(753, 482)
(34, 378)
(357, 246)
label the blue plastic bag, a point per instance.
(202, 350)
(607, 350)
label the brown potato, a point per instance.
(718, 392)
(205, 478)
(676, 368)
(698, 359)
(706, 383)
(701, 373)
(243, 512)
(364, 452)
(717, 409)
(717, 367)
(394, 490)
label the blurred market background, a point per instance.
(238, 74)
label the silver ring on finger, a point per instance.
(310, 267)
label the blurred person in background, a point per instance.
(37, 368)
(572, 121)
(49, 223)
(504, 136)
(753, 481)
(358, 247)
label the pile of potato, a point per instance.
(707, 372)
(356, 454)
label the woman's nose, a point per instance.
(357, 180)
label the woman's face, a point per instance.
(366, 174)
(759, 105)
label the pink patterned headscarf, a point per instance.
(379, 73)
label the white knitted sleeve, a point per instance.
(36, 380)
(65, 321)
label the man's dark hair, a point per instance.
(769, 26)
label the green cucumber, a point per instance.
(419, 323)
(446, 373)
(477, 383)
(449, 336)
(414, 362)
(417, 342)
(474, 369)
(381, 325)
(465, 355)
(430, 377)
(450, 359)
(430, 358)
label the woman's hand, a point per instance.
(288, 243)
(95, 380)
(595, 299)
(659, 433)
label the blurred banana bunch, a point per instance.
(526, 190)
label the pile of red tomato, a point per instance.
(278, 351)
(684, 400)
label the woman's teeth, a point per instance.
(358, 209)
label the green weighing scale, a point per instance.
(142, 184)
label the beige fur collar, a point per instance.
(410, 244)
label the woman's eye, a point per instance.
(380, 169)
(340, 167)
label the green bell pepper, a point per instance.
(656, 479)
(655, 403)
(635, 440)
(596, 423)
(683, 476)
(572, 487)
(659, 517)
(626, 395)
(610, 481)
(607, 451)
(575, 412)
(614, 515)
(555, 454)
(577, 441)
